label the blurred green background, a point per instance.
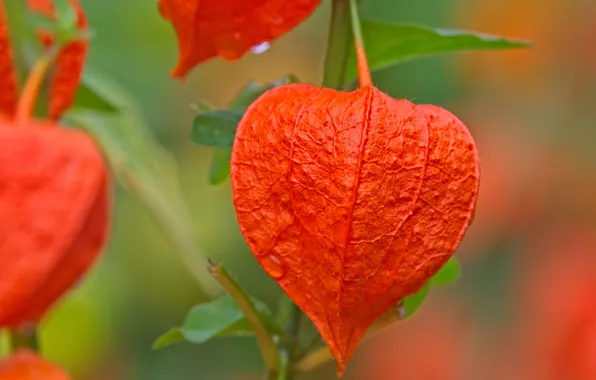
(533, 115)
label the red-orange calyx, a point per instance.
(351, 201)
(54, 198)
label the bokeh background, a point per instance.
(525, 307)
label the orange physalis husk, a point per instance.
(69, 63)
(351, 201)
(54, 211)
(26, 365)
(555, 300)
(54, 215)
(229, 28)
(8, 81)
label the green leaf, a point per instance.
(220, 166)
(448, 274)
(413, 302)
(39, 21)
(201, 106)
(253, 90)
(215, 128)
(142, 166)
(66, 21)
(65, 13)
(88, 97)
(215, 319)
(174, 335)
(390, 44)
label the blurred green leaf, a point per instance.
(66, 21)
(220, 166)
(79, 330)
(201, 106)
(172, 336)
(253, 90)
(284, 310)
(218, 318)
(448, 274)
(412, 303)
(4, 343)
(142, 166)
(215, 128)
(38, 21)
(391, 44)
(26, 43)
(87, 96)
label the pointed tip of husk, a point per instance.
(179, 72)
(341, 369)
(342, 354)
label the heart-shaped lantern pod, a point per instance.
(351, 201)
(54, 208)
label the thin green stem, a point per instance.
(24, 337)
(293, 323)
(31, 89)
(284, 310)
(285, 372)
(338, 45)
(291, 317)
(264, 339)
(361, 61)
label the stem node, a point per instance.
(361, 61)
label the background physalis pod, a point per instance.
(53, 215)
(229, 28)
(54, 209)
(351, 201)
(26, 365)
(70, 62)
(8, 82)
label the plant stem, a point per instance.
(338, 45)
(292, 317)
(264, 339)
(361, 61)
(295, 317)
(24, 337)
(31, 89)
(285, 372)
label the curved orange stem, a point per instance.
(361, 61)
(31, 89)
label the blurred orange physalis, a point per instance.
(8, 82)
(54, 203)
(229, 28)
(26, 365)
(70, 62)
(351, 201)
(577, 352)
